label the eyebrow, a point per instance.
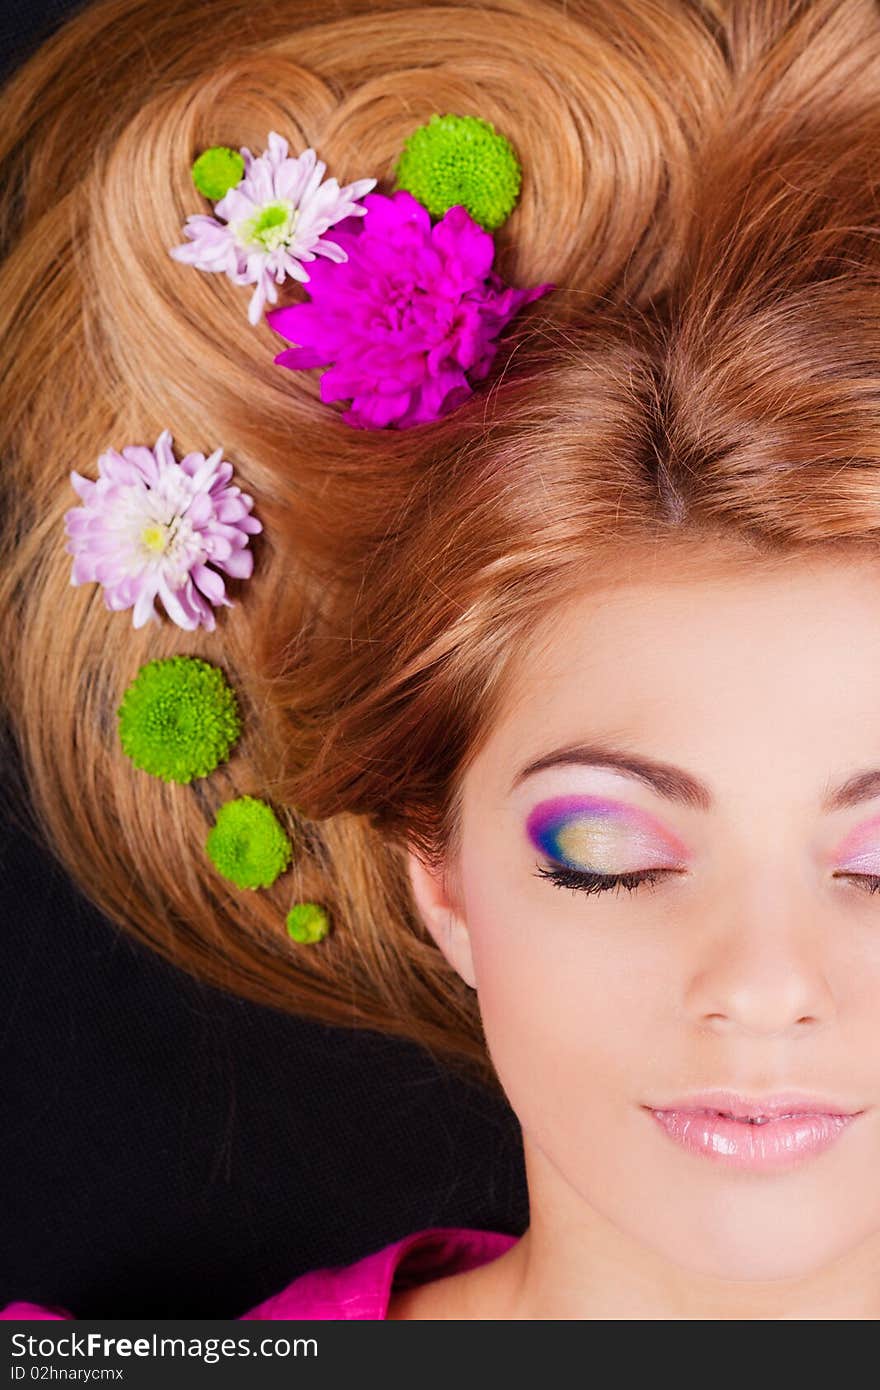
(674, 784)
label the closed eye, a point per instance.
(581, 881)
(869, 883)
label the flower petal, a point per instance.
(210, 583)
(402, 321)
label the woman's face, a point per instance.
(751, 964)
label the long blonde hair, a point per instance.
(699, 181)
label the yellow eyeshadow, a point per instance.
(593, 844)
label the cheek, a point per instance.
(567, 1004)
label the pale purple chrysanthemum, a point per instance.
(411, 318)
(271, 222)
(152, 527)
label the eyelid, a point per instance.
(649, 837)
(592, 803)
(858, 844)
(868, 863)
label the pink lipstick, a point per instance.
(759, 1133)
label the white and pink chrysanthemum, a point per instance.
(151, 527)
(271, 222)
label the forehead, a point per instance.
(681, 653)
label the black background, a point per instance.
(167, 1150)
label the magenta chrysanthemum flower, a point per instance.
(152, 527)
(271, 221)
(409, 320)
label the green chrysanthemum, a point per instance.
(307, 922)
(461, 159)
(216, 171)
(248, 844)
(178, 718)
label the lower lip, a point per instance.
(777, 1144)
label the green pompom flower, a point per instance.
(178, 718)
(307, 922)
(461, 159)
(248, 844)
(216, 171)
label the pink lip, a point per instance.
(796, 1126)
(780, 1103)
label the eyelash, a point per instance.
(869, 883)
(583, 882)
(580, 881)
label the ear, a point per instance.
(443, 921)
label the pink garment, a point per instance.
(362, 1289)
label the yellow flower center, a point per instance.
(154, 537)
(271, 227)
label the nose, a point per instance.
(761, 968)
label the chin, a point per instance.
(732, 1248)
(734, 1264)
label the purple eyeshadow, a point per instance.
(600, 825)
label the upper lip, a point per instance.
(780, 1103)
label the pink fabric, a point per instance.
(362, 1289)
